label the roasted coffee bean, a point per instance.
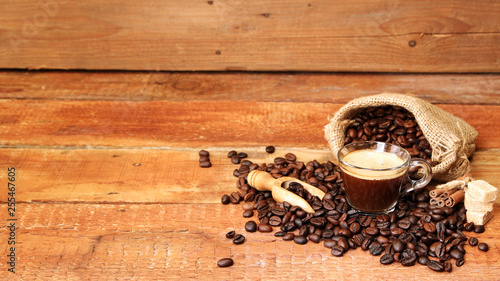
(479, 229)
(248, 213)
(440, 250)
(483, 247)
(235, 198)
(275, 221)
(231, 153)
(447, 266)
(225, 262)
(473, 241)
(435, 265)
(337, 251)
(398, 246)
(204, 158)
(315, 238)
(409, 257)
(264, 228)
(205, 164)
(423, 260)
(279, 233)
(230, 234)
(204, 153)
(329, 243)
(235, 159)
(387, 259)
(251, 226)
(225, 199)
(456, 254)
(290, 157)
(289, 236)
(469, 226)
(299, 239)
(460, 262)
(239, 239)
(376, 249)
(270, 149)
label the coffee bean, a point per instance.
(423, 260)
(230, 234)
(264, 228)
(235, 198)
(231, 153)
(376, 249)
(315, 238)
(483, 247)
(289, 236)
(225, 262)
(279, 233)
(275, 221)
(479, 229)
(270, 149)
(299, 239)
(456, 254)
(225, 199)
(329, 243)
(460, 262)
(251, 226)
(473, 241)
(235, 159)
(435, 265)
(248, 213)
(398, 246)
(337, 251)
(204, 158)
(204, 153)
(239, 239)
(205, 164)
(387, 259)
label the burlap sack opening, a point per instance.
(451, 138)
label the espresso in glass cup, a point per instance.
(375, 175)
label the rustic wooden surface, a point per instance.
(109, 187)
(386, 36)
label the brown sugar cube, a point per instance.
(482, 191)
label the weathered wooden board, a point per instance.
(246, 86)
(189, 124)
(185, 241)
(155, 175)
(386, 36)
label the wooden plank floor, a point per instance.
(109, 187)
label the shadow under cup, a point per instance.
(374, 174)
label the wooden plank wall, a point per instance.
(260, 35)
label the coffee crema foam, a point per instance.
(375, 160)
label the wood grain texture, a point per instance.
(242, 86)
(190, 124)
(155, 175)
(185, 241)
(385, 36)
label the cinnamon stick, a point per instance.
(434, 201)
(455, 198)
(445, 195)
(441, 203)
(436, 192)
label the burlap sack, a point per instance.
(451, 138)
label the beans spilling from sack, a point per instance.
(391, 124)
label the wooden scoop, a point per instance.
(264, 181)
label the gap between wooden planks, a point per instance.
(385, 36)
(184, 241)
(155, 175)
(50, 123)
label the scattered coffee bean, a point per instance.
(231, 153)
(483, 247)
(204, 153)
(251, 226)
(205, 164)
(225, 262)
(423, 260)
(235, 159)
(479, 229)
(225, 199)
(270, 149)
(242, 155)
(230, 234)
(239, 239)
(460, 262)
(473, 241)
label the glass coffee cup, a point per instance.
(375, 175)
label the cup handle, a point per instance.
(424, 180)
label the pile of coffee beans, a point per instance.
(391, 124)
(204, 159)
(415, 232)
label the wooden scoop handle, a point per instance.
(261, 181)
